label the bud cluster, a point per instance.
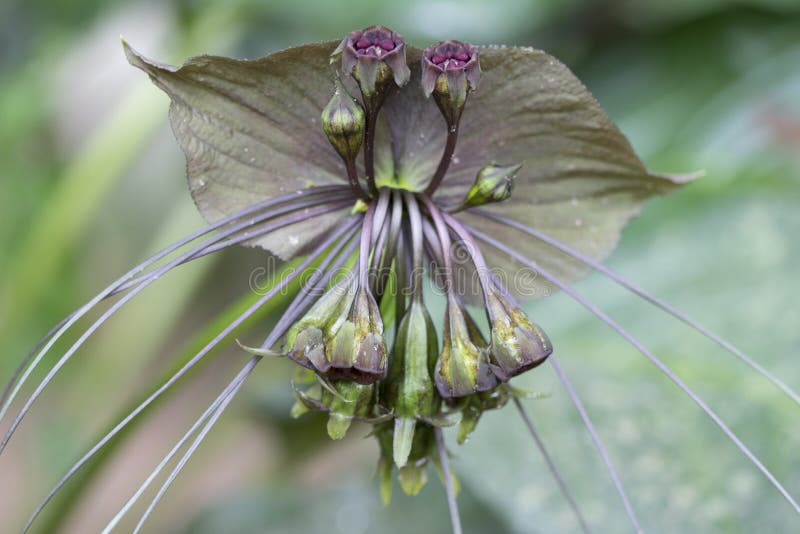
(420, 384)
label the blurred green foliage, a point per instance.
(91, 182)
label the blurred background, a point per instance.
(92, 182)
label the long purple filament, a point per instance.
(671, 310)
(455, 519)
(112, 288)
(192, 362)
(117, 305)
(551, 466)
(646, 352)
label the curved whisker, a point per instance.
(234, 388)
(31, 353)
(192, 362)
(452, 506)
(110, 289)
(117, 305)
(649, 355)
(664, 306)
(598, 443)
(227, 393)
(551, 466)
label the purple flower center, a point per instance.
(374, 45)
(450, 59)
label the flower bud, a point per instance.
(450, 69)
(476, 405)
(493, 183)
(373, 56)
(356, 349)
(414, 475)
(462, 367)
(343, 123)
(352, 401)
(409, 389)
(517, 344)
(306, 339)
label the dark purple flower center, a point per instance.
(374, 44)
(450, 57)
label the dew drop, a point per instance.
(456, 160)
(293, 240)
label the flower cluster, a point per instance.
(420, 148)
(412, 386)
(378, 166)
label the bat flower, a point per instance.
(372, 164)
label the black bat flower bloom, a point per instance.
(377, 164)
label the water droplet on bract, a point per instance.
(246, 149)
(252, 160)
(455, 160)
(293, 240)
(453, 129)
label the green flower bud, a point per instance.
(462, 367)
(409, 389)
(354, 347)
(414, 475)
(306, 339)
(493, 183)
(352, 400)
(517, 344)
(343, 123)
(476, 405)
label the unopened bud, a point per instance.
(476, 405)
(462, 367)
(517, 344)
(352, 400)
(356, 349)
(343, 123)
(493, 183)
(306, 339)
(409, 388)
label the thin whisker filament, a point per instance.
(562, 485)
(275, 290)
(650, 356)
(226, 393)
(291, 219)
(671, 310)
(147, 280)
(233, 388)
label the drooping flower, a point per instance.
(338, 155)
